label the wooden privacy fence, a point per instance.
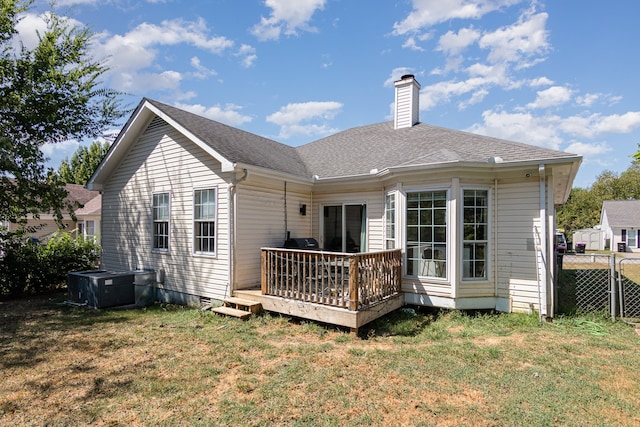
(344, 280)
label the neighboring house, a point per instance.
(196, 200)
(620, 221)
(87, 217)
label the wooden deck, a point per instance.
(337, 288)
(323, 313)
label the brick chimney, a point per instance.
(407, 105)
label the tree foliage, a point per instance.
(48, 94)
(28, 268)
(83, 163)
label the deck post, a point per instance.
(353, 282)
(265, 272)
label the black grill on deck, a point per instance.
(308, 243)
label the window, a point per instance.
(632, 239)
(90, 229)
(475, 234)
(390, 221)
(161, 222)
(204, 221)
(427, 234)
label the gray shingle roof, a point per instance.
(380, 146)
(236, 145)
(358, 150)
(622, 213)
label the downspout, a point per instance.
(495, 211)
(544, 250)
(232, 201)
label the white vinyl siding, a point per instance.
(163, 160)
(517, 204)
(260, 223)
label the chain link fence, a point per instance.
(596, 283)
(629, 288)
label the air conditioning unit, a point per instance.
(100, 288)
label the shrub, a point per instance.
(29, 267)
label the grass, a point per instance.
(169, 365)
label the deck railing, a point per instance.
(344, 280)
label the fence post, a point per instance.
(613, 287)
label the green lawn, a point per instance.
(168, 365)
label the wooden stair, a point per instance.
(238, 307)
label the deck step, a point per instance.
(243, 304)
(230, 311)
(238, 307)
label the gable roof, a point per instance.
(379, 146)
(235, 145)
(621, 213)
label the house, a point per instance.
(620, 222)
(87, 216)
(471, 217)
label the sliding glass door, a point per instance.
(345, 228)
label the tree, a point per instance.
(48, 94)
(83, 163)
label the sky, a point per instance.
(556, 74)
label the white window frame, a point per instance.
(487, 241)
(88, 235)
(197, 221)
(444, 269)
(154, 249)
(391, 242)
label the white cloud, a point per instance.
(588, 100)
(426, 13)
(522, 127)
(248, 55)
(524, 39)
(287, 17)
(477, 97)
(588, 150)
(228, 114)
(201, 72)
(551, 97)
(550, 130)
(293, 118)
(127, 55)
(454, 43)
(540, 81)
(617, 123)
